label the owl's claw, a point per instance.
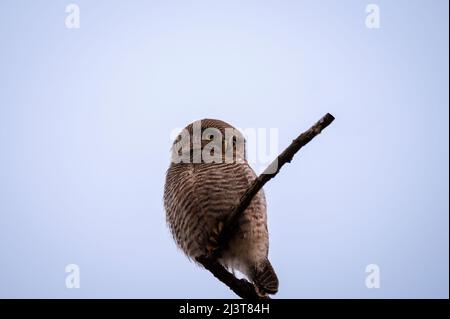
(211, 248)
(213, 243)
(213, 240)
(218, 229)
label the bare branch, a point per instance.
(242, 287)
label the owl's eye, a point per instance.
(209, 137)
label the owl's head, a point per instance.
(209, 141)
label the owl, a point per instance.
(207, 176)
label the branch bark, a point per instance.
(242, 287)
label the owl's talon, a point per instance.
(220, 227)
(213, 240)
(211, 248)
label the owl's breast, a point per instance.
(198, 196)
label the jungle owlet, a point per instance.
(207, 176)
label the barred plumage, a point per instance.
(198, 196)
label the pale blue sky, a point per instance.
(85, 118)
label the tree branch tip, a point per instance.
(327, 119)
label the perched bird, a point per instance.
(207, 176)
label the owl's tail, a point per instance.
(265, 278)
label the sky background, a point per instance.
(86, 116)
